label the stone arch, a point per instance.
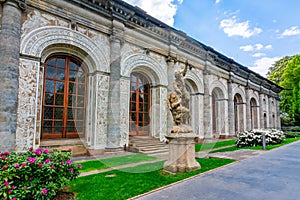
(241, 92)
(198, 83)
(221, 89)
(145, 64)
(195, 105)
(35, 43)
(219, 110)
(254, 113)
(239, 114)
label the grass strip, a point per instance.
(268, 147)
(133, 181)
(114, 161)
(208, 146)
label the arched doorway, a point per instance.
(218, 112)
(238, 113)
(63, 105)
(140, 103)
(254, 113)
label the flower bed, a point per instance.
(254, 138)
(38, 174)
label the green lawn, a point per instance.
(114, 161)
(208, 146)
(133, 181)
(268, 147)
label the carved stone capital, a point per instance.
(20, 3)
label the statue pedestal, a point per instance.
(181, 153)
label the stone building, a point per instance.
(100, 70)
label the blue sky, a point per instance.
(255, 33)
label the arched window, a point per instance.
(238, 113)
(63, 98)
(254, 113)
(139, 105)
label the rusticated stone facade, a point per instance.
(118, 46)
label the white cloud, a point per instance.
(163, 10)
(257, 55)
(253, 47)
(262, 65)
(247, 48)
(259, 46)
(269, 46)
(234, 28)
(294, 30)
(218, 1)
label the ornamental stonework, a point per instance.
(102, 102)
(124, 112)
(27, 109)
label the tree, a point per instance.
(286, 73)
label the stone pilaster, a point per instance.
(278, 122)
(271, 120)
(230, 108)
(171, 76)
(207, 118)
(9, 67)
(114, 114)
(248, 111)
(261, 110)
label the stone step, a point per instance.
(153, 148)
(150, 145)
(147, 145)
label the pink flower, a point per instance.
(13, 187)
(6, 184)
(14, 198)
(31, 160)
(2, 157)
(25, 187)
(6, 153)
(3, 168)
(69, 162)
(71, 170)
(61, 162)
(44, 191)
(46, 151)
(23, 164)
(9, 191)
(38, 152)
(80, 166)
(40, 165)
(31, 148)
(47, 161)
(16, 165)
(30, 178)
(52, 167)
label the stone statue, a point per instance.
(178, 103)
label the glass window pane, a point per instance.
(50, 71)
(72, 76)
(59, 99)
(73, 66)
(58, 113)
(60, 87)
(48, 112)
(81, 89)
(60, 74)
(72, 89)
(58, 126)
(70, 114)
(52, 62)
(80, 114)
(49, 86)
(80, 101)
(49, 99)
(61, 62)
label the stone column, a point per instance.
(248, 111)
(261, 110)
(170, 88)
(230, 108)
(207, 120)
(278, 122)
(271, 121)
(113, 130)
(9, 67)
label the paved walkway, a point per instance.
(273, 175)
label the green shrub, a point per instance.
(35, 174)
(254, 138)
(290, 134)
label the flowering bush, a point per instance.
(35, 174)
(254, 138)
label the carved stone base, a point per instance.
(181, 154)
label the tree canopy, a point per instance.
(286, 73)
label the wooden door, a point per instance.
(63, 98)
(139, 105)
